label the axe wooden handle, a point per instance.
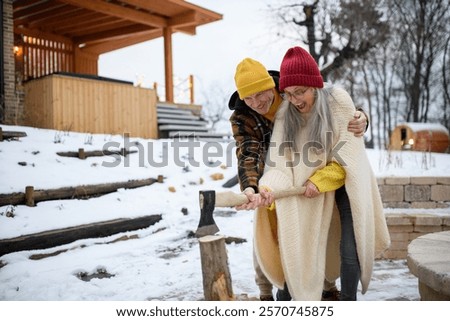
(231, 199)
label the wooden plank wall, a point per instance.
(38, 98)
(85, 62)
(92, 106)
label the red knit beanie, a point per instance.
(299, 68)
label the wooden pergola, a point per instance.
(69, 35)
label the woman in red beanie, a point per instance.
(255, 104)
(322, 233)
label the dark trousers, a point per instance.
(350, 269)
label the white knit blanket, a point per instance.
(307, 248)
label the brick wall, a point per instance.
(415, 192)
(13, 94)
(404, 227)
(414, 206)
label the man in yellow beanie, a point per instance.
(254, 106)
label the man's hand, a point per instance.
(253, 200)
(263, 199)
(358, 124)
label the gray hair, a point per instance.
(321, 123)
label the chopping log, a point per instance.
(217, 284)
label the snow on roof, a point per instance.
(417, 127)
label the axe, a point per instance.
(209, 200)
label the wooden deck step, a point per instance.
(176, 122)
(177, 116)
(182, 128)
(164, 104)
(191, 134)
(174, 111)
(193, 122)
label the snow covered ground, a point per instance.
(161, 262)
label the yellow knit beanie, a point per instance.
(252, 77)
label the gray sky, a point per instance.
(211, 56)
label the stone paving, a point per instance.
(391, 281)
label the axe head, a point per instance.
(207, 226)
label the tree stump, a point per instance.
(217, 284)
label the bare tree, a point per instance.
(215, 105)
(342, 36)
(421, 24)
(392, 55)
(446, 84)
(336, 31)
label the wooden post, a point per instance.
(1, 134)
(155, 88)
(191, 88)
(168, 70)
(81, 153)
(217, 284)
(29, 196)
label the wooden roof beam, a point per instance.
(190, 30)
(120, 12)
(110, 35)
(41, 34)
(37, 8)
(29, 13)
(55, 15)
(161, 7)
(212, 15)
(19, 4)
(80, 27)
(185, 19)
(107, 46)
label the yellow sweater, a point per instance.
(329, 178)
(274, 107)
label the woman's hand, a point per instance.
(311, 190)
(267, 197)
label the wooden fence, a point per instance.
(43, 57)
(90, 104)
